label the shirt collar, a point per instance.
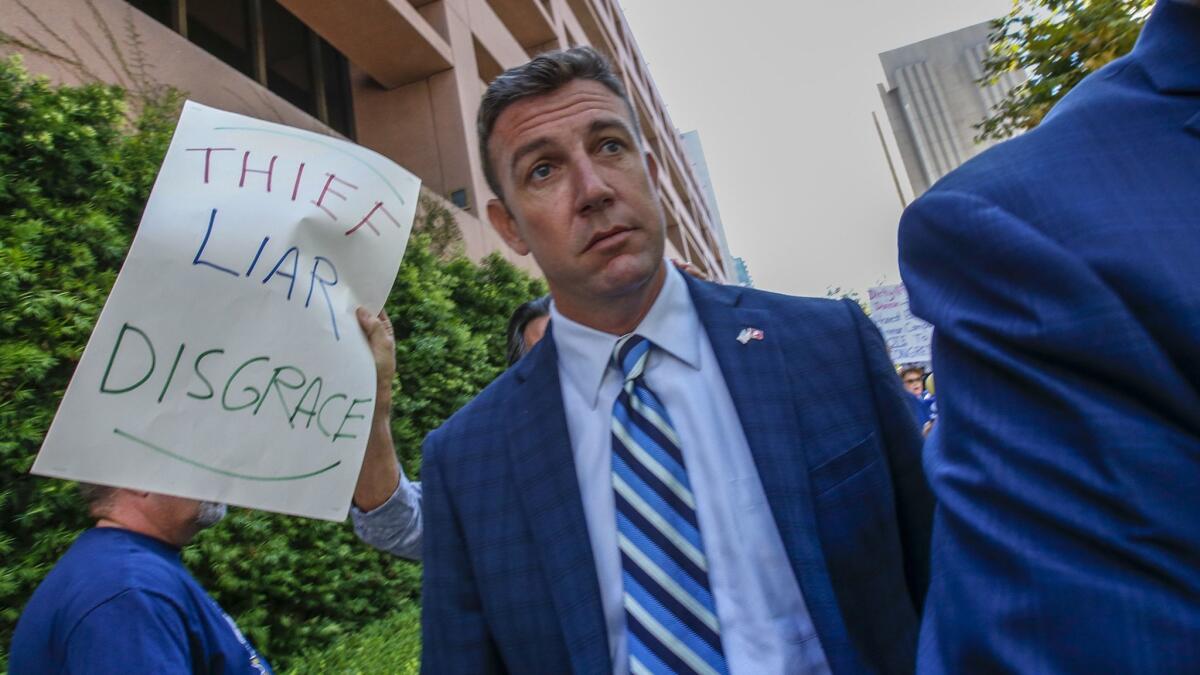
(584, 354)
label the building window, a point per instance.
(459, 199)
(266, 42)
(159, 10)
(222, 28)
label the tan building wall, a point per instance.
(417, 69)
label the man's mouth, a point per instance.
(612, 234)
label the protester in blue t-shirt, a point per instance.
(121, 601)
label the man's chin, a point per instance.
(627, 273)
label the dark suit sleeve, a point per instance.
(1064, 458)
(454, 633)
(1028, 335)
(903, 443)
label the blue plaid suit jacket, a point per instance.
(1061, 271)
(510, 584)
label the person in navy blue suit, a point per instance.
(1061, 272)
(657, 486)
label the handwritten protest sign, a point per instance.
(908, 338)
(227, 364)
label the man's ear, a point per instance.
(652, 167)
(506, 226)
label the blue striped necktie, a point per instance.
(670, 615)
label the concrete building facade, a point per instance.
(933, 101)
(401, 77)
(693, 149)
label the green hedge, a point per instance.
(75, 169)
(390, 646)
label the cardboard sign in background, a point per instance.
(908, 338)
(227, 364)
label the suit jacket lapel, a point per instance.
(753, 373)
(544, 467)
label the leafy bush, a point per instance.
(390, 646)
(76, 166)
(73, 174)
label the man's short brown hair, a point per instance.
(544, 74)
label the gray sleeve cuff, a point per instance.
(395, 525)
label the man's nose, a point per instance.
(592, 191)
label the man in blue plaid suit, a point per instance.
(660, 486)
(1061, 271)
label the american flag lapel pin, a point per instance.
(749, 334)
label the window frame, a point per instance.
(256, 42)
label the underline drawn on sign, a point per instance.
(223, 472)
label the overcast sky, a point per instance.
(782, 94)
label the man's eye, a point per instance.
(540, 172)
(611, 147)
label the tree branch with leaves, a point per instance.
(1056, 43)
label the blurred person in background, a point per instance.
(120, 600)
(1059, 270)
(527, 327)
(930, 400)
(913, 377)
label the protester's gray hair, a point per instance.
(544, 74)
(97, 497)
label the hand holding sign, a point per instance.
(227, 364)
(381, 338)
(380, 473)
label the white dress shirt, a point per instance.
(765, 626)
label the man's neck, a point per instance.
(615, 316)
(144, 527)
